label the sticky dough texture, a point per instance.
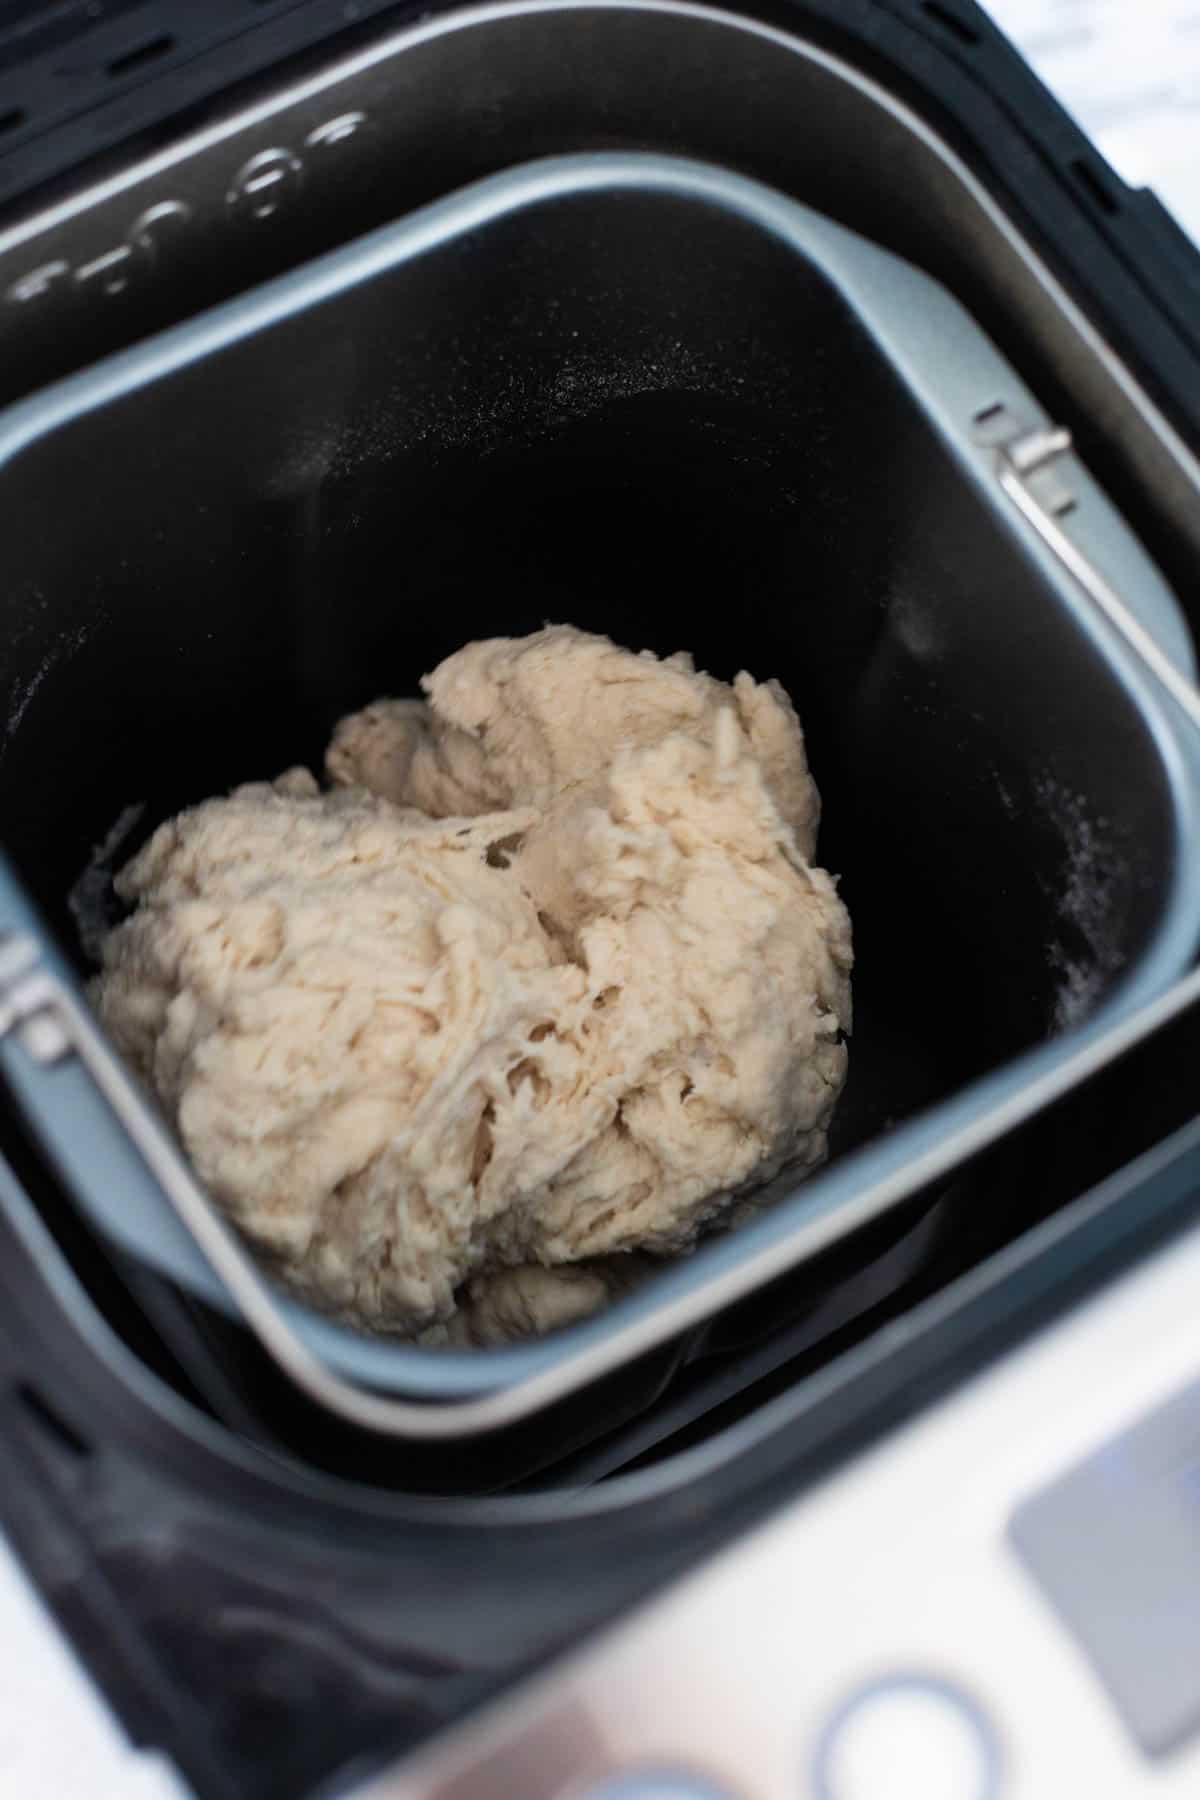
(545, 976)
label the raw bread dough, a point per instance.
(527, 720)
(546, 976)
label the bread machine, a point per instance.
(812, 334)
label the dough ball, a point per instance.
(545, 979)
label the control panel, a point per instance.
(999, 1602)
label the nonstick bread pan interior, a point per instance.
(658, 400)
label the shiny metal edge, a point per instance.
(43, 224)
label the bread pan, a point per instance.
(657, 399)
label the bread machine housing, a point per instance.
(812, 338)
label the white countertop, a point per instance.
(57, 1737)
(1129, 71)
